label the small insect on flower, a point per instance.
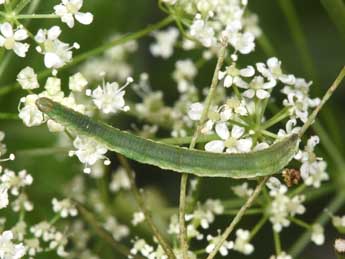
(291, 176)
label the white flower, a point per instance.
(11, 39)
(273, 71)
(30, 114)
(243, 42)
(205, 214)
(232, 75)
(316, 174)
(8, 249)
(165, 41)
(15, 182)
(64, 207)
(195, 111)
(77, 82)
(258, 88)
(3, 196)
(140, 246)
(185, 71)
(223, 250)
(119, 181)
(289, 129)
(232, 143)
(242, 190)
(138, 217)
(27, 78)
(242, 242)
(109, 98)
(202, 31)
(317, 235)
(117, 230)
(56, 53)
(89, 151)
(339, 245)
(68, 10)
(232, 107)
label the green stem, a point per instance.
(148, 217)
(79, 58)
(258, 226)
(284, 113)
(336, 203)
(37, 16)
(197, 133)
(277, 242)
(325, 98)
(248, 212)
(104, 235)
(8, 116)
(237, 218)
(300, 223)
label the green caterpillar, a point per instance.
(201, 163)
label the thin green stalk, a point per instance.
(336, 11)
(336, 203)
(325, 98)
(258, 226)
(298, 36)
(79, 58)
(237, 218)
(284, 113)
(277, 242)
(102, 234)
(184, 177)
(248, 212)
(148, 217)
(300, 223)
(8, 116)
(37, 16)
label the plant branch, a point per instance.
(104, 235)
(140, 200)
(237, 218)
(325, 98)
(184, 177)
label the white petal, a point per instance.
(6, 30)
(262, 94)
(215, 146)
(270, 84)
(222, 130)
(20, 49)
(273, 62)
(84, 18)
(240, 83)
(228, 81)
(237, 131)
(54, 32)
(288, 79)
(247, 72)
(21, 35)
(221, 75)
(52, 60)
(250, 93)
(244, 145)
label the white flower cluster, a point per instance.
(313, 168)
(56, 53)
(283, 206)
(108, 98)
